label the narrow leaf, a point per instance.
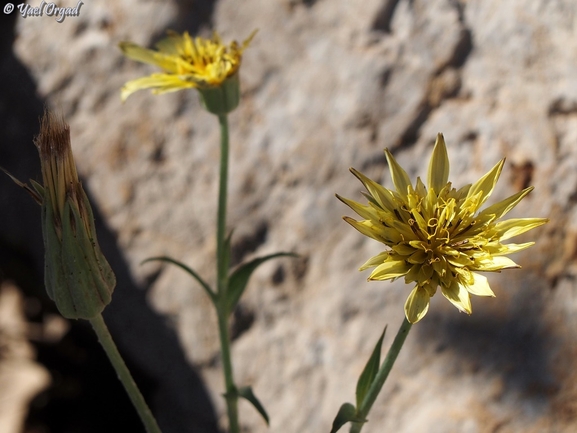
(197, 277)
(239, 278)
(347, 413)
(370, 371)
(246, 393)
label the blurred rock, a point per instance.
(327, 85)
(21, 378)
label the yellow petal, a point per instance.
(159, 82)
(438, 166)
(381, 195)
(248, 40)
(365, 227)
(399, 176)
(390, 269)
(458, 296)
(367, 212)
(480, 286)
(509, 248)
(173, 45)
(487, 183)
(135, 52)
(504, 206)
(375, 260)
(417, 304)
(497, 263)
(513, 227)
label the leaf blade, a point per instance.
(370, 371)
(347, 413)
(247, 393)
(187, 269)
(239, 278)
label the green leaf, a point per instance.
(239, 278)
(370, 371)
(247, 394)
(347, 413)
(197, 277)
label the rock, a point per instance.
(328, 85)
(21, 378)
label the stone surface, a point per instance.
(21, 378)
(327, 85)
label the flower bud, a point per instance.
(77, 276)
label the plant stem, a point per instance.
(124, 374)
(231, 392)
(382, 374)
(231, 395)
(221, 218)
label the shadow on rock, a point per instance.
(85, 394)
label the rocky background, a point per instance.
(327, 84)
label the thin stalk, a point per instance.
(221, 217)
(382, 374)
(124, 374)
(231, 395)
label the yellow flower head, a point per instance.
(187, 63)
(436, 234)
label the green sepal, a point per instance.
(221, 99)
(347, 413)
(194, 275)
(36, 195)
(370, 371)
(77, 276)
(246, 393)
(39, 188)
(239, 278)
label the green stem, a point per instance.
(382, 374)
(124, 374)
(221, 218)
(231, 395)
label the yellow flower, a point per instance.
(187, 63)
(436, 234)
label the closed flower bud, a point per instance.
(77, 276)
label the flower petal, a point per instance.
(417, 304)
(399, 176)
(501, 208)
(458, 296)
(367, 212)
(365, 227)
(375, 260)
(161, 83)
(144, 55)
(487, 183)
(513, 227)
(480, 286)
(382, 195)
(497, 263)
(390, 269)
(438, 166)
